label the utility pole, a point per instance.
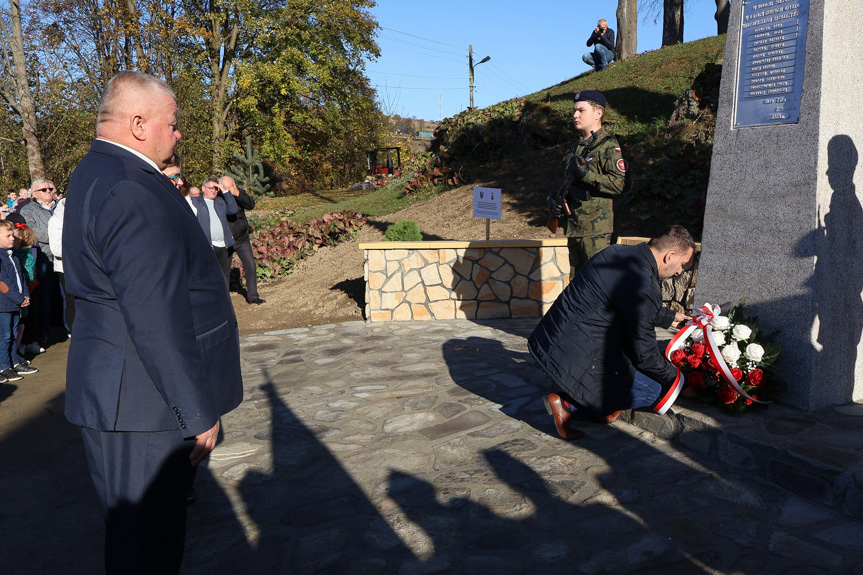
(470, 67)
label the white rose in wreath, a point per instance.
(721, 323)
(754, 352)
(718, 338)
(697, 336)
(731, 353)
(741, 331)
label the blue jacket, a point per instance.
(225, 205)
(601, 329)
(12, 299)
(155, 345)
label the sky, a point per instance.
(423, 68)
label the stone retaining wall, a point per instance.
(468, 280)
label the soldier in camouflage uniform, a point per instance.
(595, 175)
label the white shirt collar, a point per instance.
(137, 153)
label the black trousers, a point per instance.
(244, 250)
(224, 257)
(68, 303)
(44, 297)
(142, 479)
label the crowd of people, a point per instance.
(32, 283)
(220, 206)
(32, 290)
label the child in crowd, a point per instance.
(13, 297)
(25, 254)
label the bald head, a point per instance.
(140, 111)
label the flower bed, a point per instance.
(281, 244)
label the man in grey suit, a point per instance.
(213, 207)
(154, 361)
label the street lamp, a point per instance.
(470, 66)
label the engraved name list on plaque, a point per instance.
(770, 67)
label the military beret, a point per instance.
(590, 96)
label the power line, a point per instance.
(421, 38)
(493, 67)
(418, 45)
(423, 53)
(386, 87)
(502, 81)
(415, 76)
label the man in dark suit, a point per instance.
(598, 340)
(154, 361)
(213, 208)
(240, 231)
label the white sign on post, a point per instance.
(486, 203)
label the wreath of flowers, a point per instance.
(726, 359)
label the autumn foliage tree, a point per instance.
(288, 74)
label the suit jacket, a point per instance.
(224, 204)
(238, 223)
(11, 273)
(155, 343)
(37, 217)
(602, 328)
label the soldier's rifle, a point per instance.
(560, 198)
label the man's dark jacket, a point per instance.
(155, 343)
(225, 205)
(602, 329)
(237, 222)
(606, 39)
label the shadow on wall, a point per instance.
(836, 284)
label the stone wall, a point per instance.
(467, 280)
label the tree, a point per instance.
(672, 22)
(627, 29)
(248, 172)
(304, 91)
(289, 74)
(723, 11)
(18, 96)
(216, 27)
(672, 19)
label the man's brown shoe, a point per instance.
(610, 418)
(562, 417)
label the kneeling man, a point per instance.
(598, 340)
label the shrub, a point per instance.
(404, 231)
(278, 247)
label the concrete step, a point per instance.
(815, 455)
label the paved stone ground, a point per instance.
(412, 448)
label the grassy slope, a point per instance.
(642, 89)
(641, 92)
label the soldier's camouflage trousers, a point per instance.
(582, 248)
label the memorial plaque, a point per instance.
(770, 68)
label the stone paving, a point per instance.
(418, 448)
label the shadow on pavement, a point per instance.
(304, 515)
(50, 521)
(646, 516)
(6, 391)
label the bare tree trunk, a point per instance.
(627, 29)
(133, 37)
(24, 104)
(221, 50)
(672, 22)
(723, 11)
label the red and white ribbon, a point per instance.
(703, 319)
